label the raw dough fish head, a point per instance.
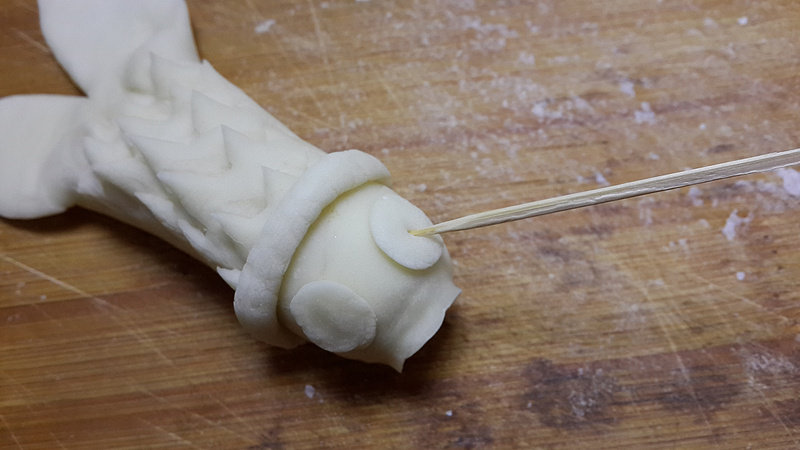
(316, 245)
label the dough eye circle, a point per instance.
(391, 219)
(333, 317)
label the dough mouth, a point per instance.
(391, 220)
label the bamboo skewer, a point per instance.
(746, 166)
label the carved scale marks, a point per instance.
(209, 166)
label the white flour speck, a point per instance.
(532, 29)
(541, 111)
(646, 211)
(600, 179)
(791, 180)
(694, 195)
(645, 115)
(527, 58)
(538, 109)
(628, 88)
(761, 364)
(563, 59)
(580, 104)
(310, 391)
(549, 110)
(742, 21)
(702, 126)
(449, 413)
(490, 36)
(725, 131)
(694, 32)
(740, 276)
(733, 223)
(264, 26)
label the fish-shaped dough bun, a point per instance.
(315, 244)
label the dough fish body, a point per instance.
(315, 244)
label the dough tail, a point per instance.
(110, 41)
(106, 46)
(40, 151)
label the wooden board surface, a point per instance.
(640, 323)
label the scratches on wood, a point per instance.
(36, 44)
(11, 434)
(44, 276)
(623, 326)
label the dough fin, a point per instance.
(40, 154)
(102, 41)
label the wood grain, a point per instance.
(637, 324)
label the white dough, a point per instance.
(391, 219)
(333, 317)
(316, 245)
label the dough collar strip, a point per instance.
(256, 298)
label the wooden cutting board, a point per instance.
(663, 321)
